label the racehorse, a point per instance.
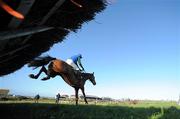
(74, 78)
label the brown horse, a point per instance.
(56, 67)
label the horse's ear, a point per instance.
(93, 73)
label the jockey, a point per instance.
(75, 62)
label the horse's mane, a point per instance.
(40, 61)
(86, 74)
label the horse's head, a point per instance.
(92, 78)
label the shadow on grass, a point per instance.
(62, 111)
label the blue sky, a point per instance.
(133, 47)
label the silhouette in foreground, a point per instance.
(61, 68)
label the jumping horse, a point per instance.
(56, 67)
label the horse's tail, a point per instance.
(40, 61)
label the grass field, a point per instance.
(47, 109)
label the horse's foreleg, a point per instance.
(76, 94)
(84, 95)
(43, 69)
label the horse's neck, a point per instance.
(86, 76)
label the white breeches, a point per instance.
(70, 62)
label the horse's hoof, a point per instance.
(32, 76)
(44, 79)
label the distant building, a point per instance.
(4, 92)
(72, 96)
(91, 97)
(107, 99)
(65, 96)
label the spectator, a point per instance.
(57, 98)
(36, 98)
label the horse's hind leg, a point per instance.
(50, 73)
(43, 69)
(46, 78)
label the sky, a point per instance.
(133, 47)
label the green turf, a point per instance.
(49, 110)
